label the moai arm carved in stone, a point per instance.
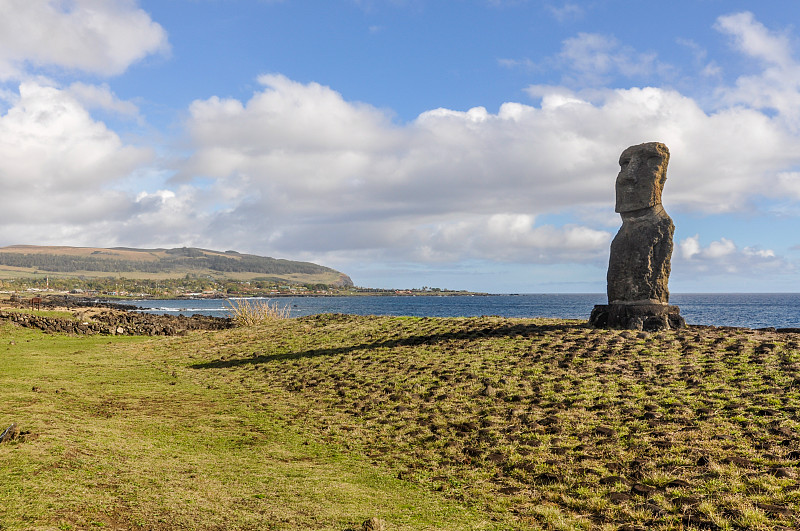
(639, 264)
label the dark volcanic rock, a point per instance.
(649, 317)
(374, 524)
(639, 264)
(10, 433)
(120, 323)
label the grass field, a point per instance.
(117, 436)
(483, 423)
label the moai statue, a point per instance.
(639, 265)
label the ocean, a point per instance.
(750, 310)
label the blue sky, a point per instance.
(467, 144)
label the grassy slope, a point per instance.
(146, 255)
(545, 424)
(529, 423)
(121, 440)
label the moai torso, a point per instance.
(639, 265)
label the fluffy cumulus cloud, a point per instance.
(777, 86)
(97, 36)
(101, 97)
(724, 256)
(511, 238)
(59, 165)
(313, 166)
(312, 169)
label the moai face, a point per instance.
(643, 170)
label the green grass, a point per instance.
(114, 437)
(542, 424)
(62, 314)
(484, 423)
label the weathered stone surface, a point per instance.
(639, 264)
(374, 524)
(647, 317)
(118, 322)
(10, 433)
(641, 178)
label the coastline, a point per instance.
(91, 317)
(770, 312)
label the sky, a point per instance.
(462, 144)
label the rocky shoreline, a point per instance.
(92, 317)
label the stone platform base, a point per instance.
(649, 317)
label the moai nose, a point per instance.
(631, 171)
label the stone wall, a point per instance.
(119, 323)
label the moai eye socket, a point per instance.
(624, 162)
(654, 161)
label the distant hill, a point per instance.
(18, 260)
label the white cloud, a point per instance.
(720, 161)
(708, 69)
(593, 58)
(298, 167)
(566, 12)
(101, 97)
(777, 86)
(719, 249)
(711, 70)
(724, 256)
(511, 238)
(308, 159)
(167, 218)
(97, 36)
(58, 163)
(524, 64)
(755, 252)
(754, 39)
(690, 247)
(789, 184)
(313, 170)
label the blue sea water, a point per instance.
(751, 310)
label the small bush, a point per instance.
(251, 312)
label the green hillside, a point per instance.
(20, 260)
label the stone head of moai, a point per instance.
(643, 171)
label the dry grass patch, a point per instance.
(248, 312)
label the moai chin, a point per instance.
(639, 264)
